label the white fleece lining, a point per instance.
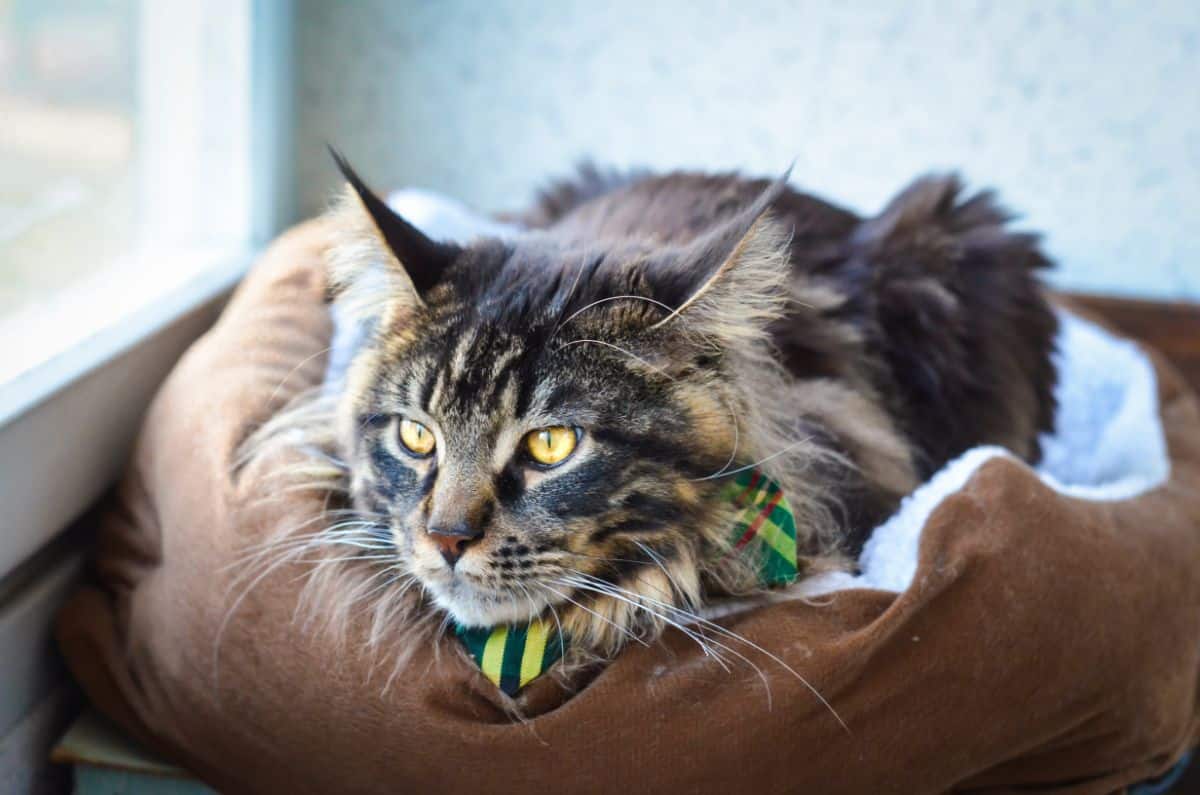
(1107, 443)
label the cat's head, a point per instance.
(544, 424)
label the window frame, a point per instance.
(67, 424)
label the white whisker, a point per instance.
(637, 605)
(606, 620)
(578, 312)
(760, 462)
(733, 636)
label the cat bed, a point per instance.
(1009, 628)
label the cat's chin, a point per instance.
(472, 606)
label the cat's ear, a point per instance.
(374, 242)
(732, 282)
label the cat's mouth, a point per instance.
(473, 589)
(474, 596)
(471, 601)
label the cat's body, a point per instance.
(931, 311)
(541, 426)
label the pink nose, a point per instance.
(453, 540)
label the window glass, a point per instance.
(124, 141)
(67, 179)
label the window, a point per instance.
(127, 210)
(67, 94)
(125, 146)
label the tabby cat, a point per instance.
(540, 426)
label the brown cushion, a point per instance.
(1044, 641)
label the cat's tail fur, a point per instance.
(959, 316)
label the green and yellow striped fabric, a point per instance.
(513, 656)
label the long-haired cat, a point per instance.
(541, 426)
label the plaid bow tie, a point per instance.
(512, 656)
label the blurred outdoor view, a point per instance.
(68, 89)
(124, 178)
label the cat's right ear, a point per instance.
(376, 248)
(730, 284)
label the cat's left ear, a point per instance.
(732, 282)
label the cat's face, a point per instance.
(542, 423)
(507, 466)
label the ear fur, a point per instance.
(732, 282)
(377, 254)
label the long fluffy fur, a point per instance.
(824, 348)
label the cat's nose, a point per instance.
(453, 539)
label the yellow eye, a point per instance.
(550, 446)
(416, 437)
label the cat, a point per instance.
(542, 426)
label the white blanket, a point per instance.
(1107, 444)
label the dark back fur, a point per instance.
(934, 302)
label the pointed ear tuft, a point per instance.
(732, 282)
(404, 249)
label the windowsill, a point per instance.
(96, 319)
(67, 424)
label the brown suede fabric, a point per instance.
(1045, 642)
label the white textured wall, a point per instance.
(1085, 115)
